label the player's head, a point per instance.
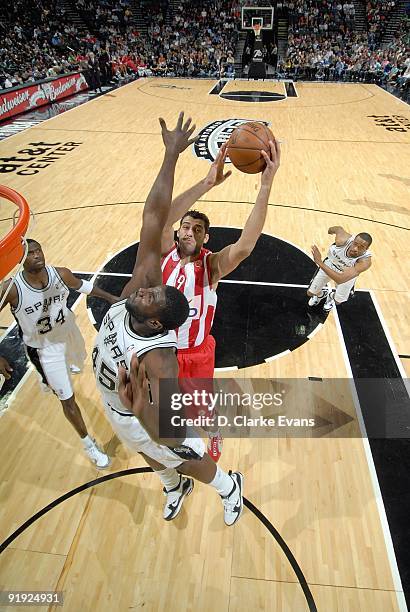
(360, 244)
(160, 308)
(35, 260)
(193, 232)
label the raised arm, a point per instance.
(341, 235)
(147, 268)
(185, 201)
(226, 260)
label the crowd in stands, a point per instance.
(320, 17)
(192, 38)
(37, 41)
(323, 44)
(378, 13)
(31, 41)
(198, 40)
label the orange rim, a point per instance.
(11, 245)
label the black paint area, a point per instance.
(252, 322)
(272, 260)
(12, 348)
(218, 87)
(253, 96)
(290, 90)
(384, 403)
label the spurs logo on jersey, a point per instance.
(193, 280)
(117, 342)
(338, 259)
(42, 314)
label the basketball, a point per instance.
(245, 145)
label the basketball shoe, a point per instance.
(330, 302)
(97, 456)
(176, 496)
(316, 299)
(215, 444)
(233, 503)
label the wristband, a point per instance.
(86, 287)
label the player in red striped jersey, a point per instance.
(194, 270)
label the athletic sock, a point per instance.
(169, 478)
(87, 442)
(222, 482)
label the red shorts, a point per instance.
(196, 371)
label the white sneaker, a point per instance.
(74, 369)
(330, 302)
(97, 456)
(315, 300)
(233, 503)
(176, 496)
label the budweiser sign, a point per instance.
(19, 101)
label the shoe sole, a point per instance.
(240, 479)
(103, 467)
(178, 508)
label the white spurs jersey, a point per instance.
(193, 280)
(337, 257)
(116, 343)
(42, 314)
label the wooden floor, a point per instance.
(108, 547)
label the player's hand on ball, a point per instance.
(272, 162)
(216, 174)
(133, 387)
(317, 258)
(179, 139)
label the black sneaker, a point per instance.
(176, 496)
(233, 503)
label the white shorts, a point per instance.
(130, 431)
(53, 362)
(321, 279)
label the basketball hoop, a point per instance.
(256, 27)
(13, 248)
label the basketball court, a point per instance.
(85, 175)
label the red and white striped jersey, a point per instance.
(193, 280)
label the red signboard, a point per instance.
(23, 99)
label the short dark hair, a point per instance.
(366, 237)
(31, 240)
(195, 214)
(176, 309)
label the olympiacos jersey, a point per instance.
(194, 281)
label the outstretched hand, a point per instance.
(178, 139)
(133, 387)
(317, 257)
(216, 174)
(272, 162)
